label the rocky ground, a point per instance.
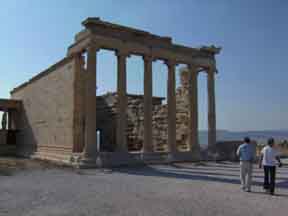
(30, 188)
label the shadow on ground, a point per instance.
(213, 173)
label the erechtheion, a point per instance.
(56, 114)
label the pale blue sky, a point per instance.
(251, 86)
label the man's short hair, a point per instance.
(247, 140)
(270, 141)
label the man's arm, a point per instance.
(277, 157)
(279, 161)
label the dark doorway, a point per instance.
(99, 139)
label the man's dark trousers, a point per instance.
(269, 178)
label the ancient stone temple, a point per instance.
(58, 116)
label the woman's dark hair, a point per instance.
(270, 141)
(247, 139)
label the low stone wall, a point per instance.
(226, 150)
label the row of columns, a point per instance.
(90, 131)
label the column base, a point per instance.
(188, 156)
(171, 157)
(118, 159)
(87, 162)
(196, 153)
(154, 157)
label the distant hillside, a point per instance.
(259, 136)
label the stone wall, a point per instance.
(46, 120)
(107, 114)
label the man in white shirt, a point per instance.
(269, 159)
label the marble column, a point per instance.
(121, 138)
(211, 109)
(89, 150)
(193, 109)
(171, 103)
(79, 103)
(147, 145)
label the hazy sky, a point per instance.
(251, 86)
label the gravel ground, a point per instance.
(181, 189)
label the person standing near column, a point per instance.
(269, 158)
(246, 153)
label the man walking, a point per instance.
(246, 153)
(269, 158)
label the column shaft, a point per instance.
(193, 109)
(121, 138)
(171, 102)
(90, 106)
(147, 145)
(79, 103)
(211, 109)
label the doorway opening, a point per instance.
(99, 140)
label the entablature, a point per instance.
(9, 104)
(115, 37)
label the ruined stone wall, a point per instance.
(160, 123)
(46, 120)
(107, 113)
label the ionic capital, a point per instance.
(211, 70)
(148, 58)
(171, 63)
(193, 67)
(76, 55)
(122, 53)
(92, 47)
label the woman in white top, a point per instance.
(269, 159)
